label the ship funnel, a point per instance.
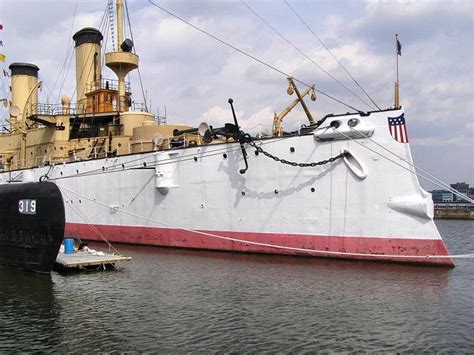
(24, 89)
(88, 67)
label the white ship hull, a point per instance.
(361, 207)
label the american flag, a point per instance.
(397, 128)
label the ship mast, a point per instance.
(123, 60)
(398, 52)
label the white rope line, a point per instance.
(272, 245)
(440, 182)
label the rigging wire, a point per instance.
(106, 42)
(428, 177)
(65, 72)
(43, 85)
(438, 182)
(101, 28)
(134, 50)
(330, 52)
(250, 56)
(304, 54)
(93, 227)
(69, 51)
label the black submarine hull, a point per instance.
(32, 221)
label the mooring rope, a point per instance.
(275, 246)
(93, 227)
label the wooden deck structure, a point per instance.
(81, 260)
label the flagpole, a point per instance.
(397, 83)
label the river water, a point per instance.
(169, 300)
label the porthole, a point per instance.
(353, 122)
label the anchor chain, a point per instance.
(293, 163)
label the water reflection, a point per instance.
(172, 300)
(29, 312)
(226, 301)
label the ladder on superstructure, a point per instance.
(110, 7)
(97, 148)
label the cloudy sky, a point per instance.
(193, 75)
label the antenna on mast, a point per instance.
(398, 47)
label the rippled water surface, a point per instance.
(192, 301)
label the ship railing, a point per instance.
(160, 120)
(139, 107)
(58, 109)
(107, 84)
(51, 109)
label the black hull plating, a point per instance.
(31, 232)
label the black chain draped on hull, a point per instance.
(32, 222)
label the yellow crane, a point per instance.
(278, 119)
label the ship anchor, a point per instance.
(239, 135)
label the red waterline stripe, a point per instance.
(169, 237)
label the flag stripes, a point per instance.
(397, 128)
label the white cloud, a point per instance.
(217, 116)
(259, 121)
(459, 142)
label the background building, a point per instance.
(444, 196)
